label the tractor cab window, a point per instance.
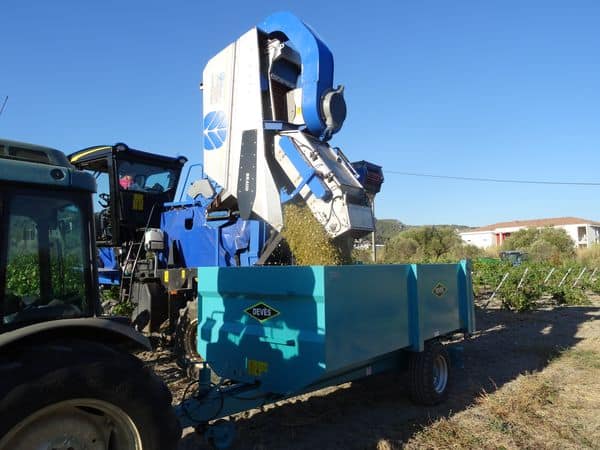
(99, 170)
(46, 269)
(101, 198)
(141, 177)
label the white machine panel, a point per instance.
(237, 161)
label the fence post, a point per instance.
(522, 278)
(565, 277)
(496, 290)
(577, 280)
(549, 274)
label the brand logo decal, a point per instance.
(439, 290)
(261, 312)
(215, 130)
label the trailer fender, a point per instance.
(105, 330)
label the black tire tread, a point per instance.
(67, 371)
(420, 375)
(185, 359)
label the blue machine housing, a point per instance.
(194, 241)
(317, 65)
(109, 272)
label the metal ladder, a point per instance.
(130, 263)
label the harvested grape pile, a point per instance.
(309, 242)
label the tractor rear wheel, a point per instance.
(84, 396)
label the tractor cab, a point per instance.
(46, 269)
(132, 187)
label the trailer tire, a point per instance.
(100, 398)
(186, 334)
(429, 374)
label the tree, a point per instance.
(542, 244)
(428, 244)
(401, 249)
(521, 240)
(466, 251)
(386, 229)
(541, 250)
(434, 242)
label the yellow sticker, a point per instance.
(257, 368)
(183, 274)
(138, 202)
(166, 276)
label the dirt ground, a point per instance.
(376, 413)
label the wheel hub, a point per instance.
(85, 424)
(440, 374)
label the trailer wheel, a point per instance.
(221, 435)
(429, 374)
(97, 400)
(186, 336)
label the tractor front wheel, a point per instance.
(85, 397)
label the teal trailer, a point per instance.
(275, 332)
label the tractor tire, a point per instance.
(429, 375)
(185, 343)
(75, 395)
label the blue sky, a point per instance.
(500, 89)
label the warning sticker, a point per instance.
(261, 312)
(138, 202)
(439, 290)
(257, 368)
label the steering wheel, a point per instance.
(104, 200)
(157, 188)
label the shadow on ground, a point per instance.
(361, 414)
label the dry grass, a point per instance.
(589, 256)
(309, 242)
(558, 408)
(383, 444)
(492, 252)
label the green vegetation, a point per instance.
(125, 308)
(545, 244)
(111, 304)
(23, 276)
(550, 251)
(527, 285)
(441, 243)
(386, 229)
(428, 244)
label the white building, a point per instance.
(583, 232)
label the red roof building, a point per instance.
(584, 232)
